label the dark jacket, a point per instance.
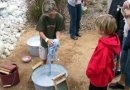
(115, 12)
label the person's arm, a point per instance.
(58, 34)
(98, 62)
(41, 28)
(43, 36)
(126, 4)
(59, 27)
(47, 40)
(120, 25)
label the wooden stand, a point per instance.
(59, 79)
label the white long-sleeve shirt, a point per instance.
(74, 2)
(126, 26)
(79, 2)
(128, 1)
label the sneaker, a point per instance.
(74, 37)
(116, 86)
(117, 73)
(78, 35)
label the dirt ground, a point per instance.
(73, 55)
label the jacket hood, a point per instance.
(111, 42)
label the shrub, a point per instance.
(35, 9)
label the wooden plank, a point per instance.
(37, 65)
(4, 69)
(60, 79)
(6, 86)
(4, 72)
(59, 76)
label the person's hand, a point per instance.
(50, 42)
(85, 2)
(126, 5)
(127, 13)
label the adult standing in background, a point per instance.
(125, 56)
(74, 7)
(114, 9)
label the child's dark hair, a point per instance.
(107, 24)
(48, 5)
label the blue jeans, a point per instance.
(125, 64)
(75, 17)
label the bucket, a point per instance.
(11, 79)
(33, 45)
(43, 81)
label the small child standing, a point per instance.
(100, 69)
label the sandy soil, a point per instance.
(73, 55)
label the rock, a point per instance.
(17, 13)
(17, 35)
(1, 47)
(3, 56)
(3, 5)
(11, 48)
(7, 46)
(2, 26)
(11, 8)
(7, 52)
(12, 22)
(13, 40)
(4, 13)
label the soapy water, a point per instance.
(40, 76)
(34, 41)
(47, 79)
(49, 66)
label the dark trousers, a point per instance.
(75, 17)
(92, 87)
(125, 64)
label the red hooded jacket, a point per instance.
(100, 68)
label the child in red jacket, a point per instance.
(100, 69)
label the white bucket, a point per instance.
(43, 81)
(33, 45)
